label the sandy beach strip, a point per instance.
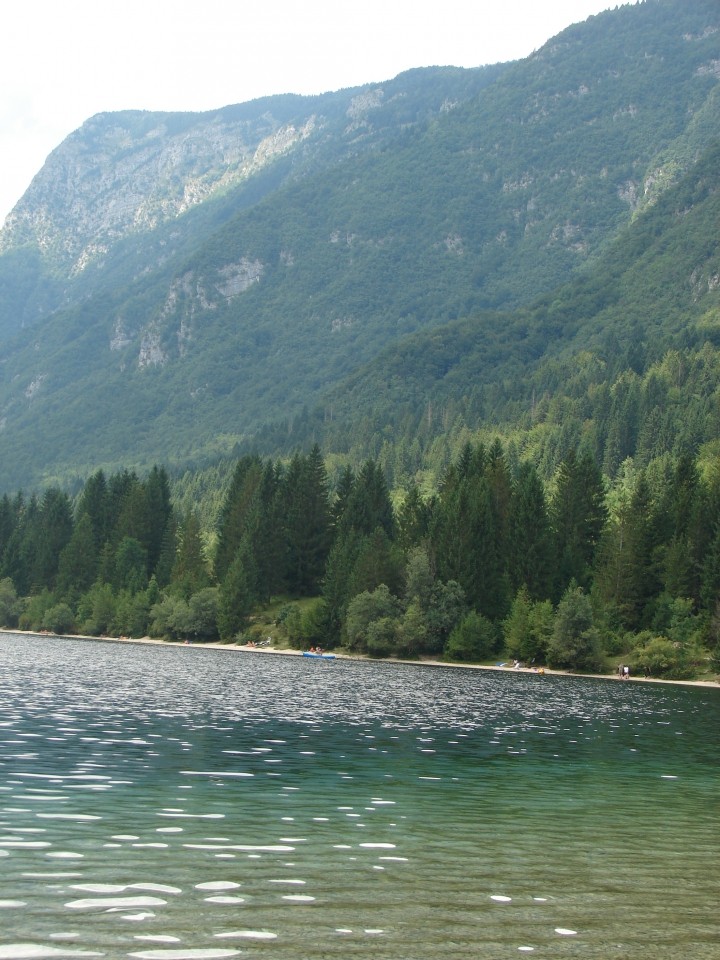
(361, 658)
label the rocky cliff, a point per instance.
(122, 173)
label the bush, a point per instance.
(315, 628)
(575, 641)
(10, 605)
(381, 637)
(475, 638)
(32, 618)
(59, 619)
(662, 657)
(178, 619)
(366, 608)
(168, 617)
(291, 618)
(412, 632)
(96, 610)
(202, 615)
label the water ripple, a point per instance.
(531, 814)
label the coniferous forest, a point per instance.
(432, 368)
(497, 564)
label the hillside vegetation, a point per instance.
(391, 270)
(493, 566)
(621, 362)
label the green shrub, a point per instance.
(58, 619)
(662, 657)
(381, 637)
(475, 638)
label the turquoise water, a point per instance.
(175, 802)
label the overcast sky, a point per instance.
(62, 62)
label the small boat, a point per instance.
(318, 656)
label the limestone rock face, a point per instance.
(128, 192)
(128, 172)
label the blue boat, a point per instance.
(318, 656)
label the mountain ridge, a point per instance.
(261, 300)
(127, 173)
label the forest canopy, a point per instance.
(495, 565)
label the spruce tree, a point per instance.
(369, 505)
(78, 563)
(531, 557)
(413, 519)
(237, 510)
(157, 488)
(307, 522)
(578, 518)
(190, 571)
(47, 535)
(269, 540)
(235, 597)
(94, 501)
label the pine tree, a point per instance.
(94, 501)
(344, 488)
(337, 582)
(131, 562)
(8, 521)
(235, 598)
(239, 506)
(190, 570)
(307, 522)
(78, 563)
(413, 519)
(157, 491)
(135, 517)
(531, 558)
(624, 568)
(516, 626)
(470, 545)
(12, 561)
(378, 560)
(119, 488)
(168, 552)
(47, 536)
(578, 518)
(369, 505)
(269, 540)
(686, 529)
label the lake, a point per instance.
(172, 803)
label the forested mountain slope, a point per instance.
(622, 360)
(440, 197)
(130, 191)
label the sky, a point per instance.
(63, 62)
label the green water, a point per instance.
(170, 803)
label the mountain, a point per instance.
(174, 286)
(622, 359)
(129, 191)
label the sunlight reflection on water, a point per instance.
(185, 802)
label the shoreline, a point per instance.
(287, 651)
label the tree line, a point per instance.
(495, 565)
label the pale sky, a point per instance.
(63, 62)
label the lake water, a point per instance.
(179, 802)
